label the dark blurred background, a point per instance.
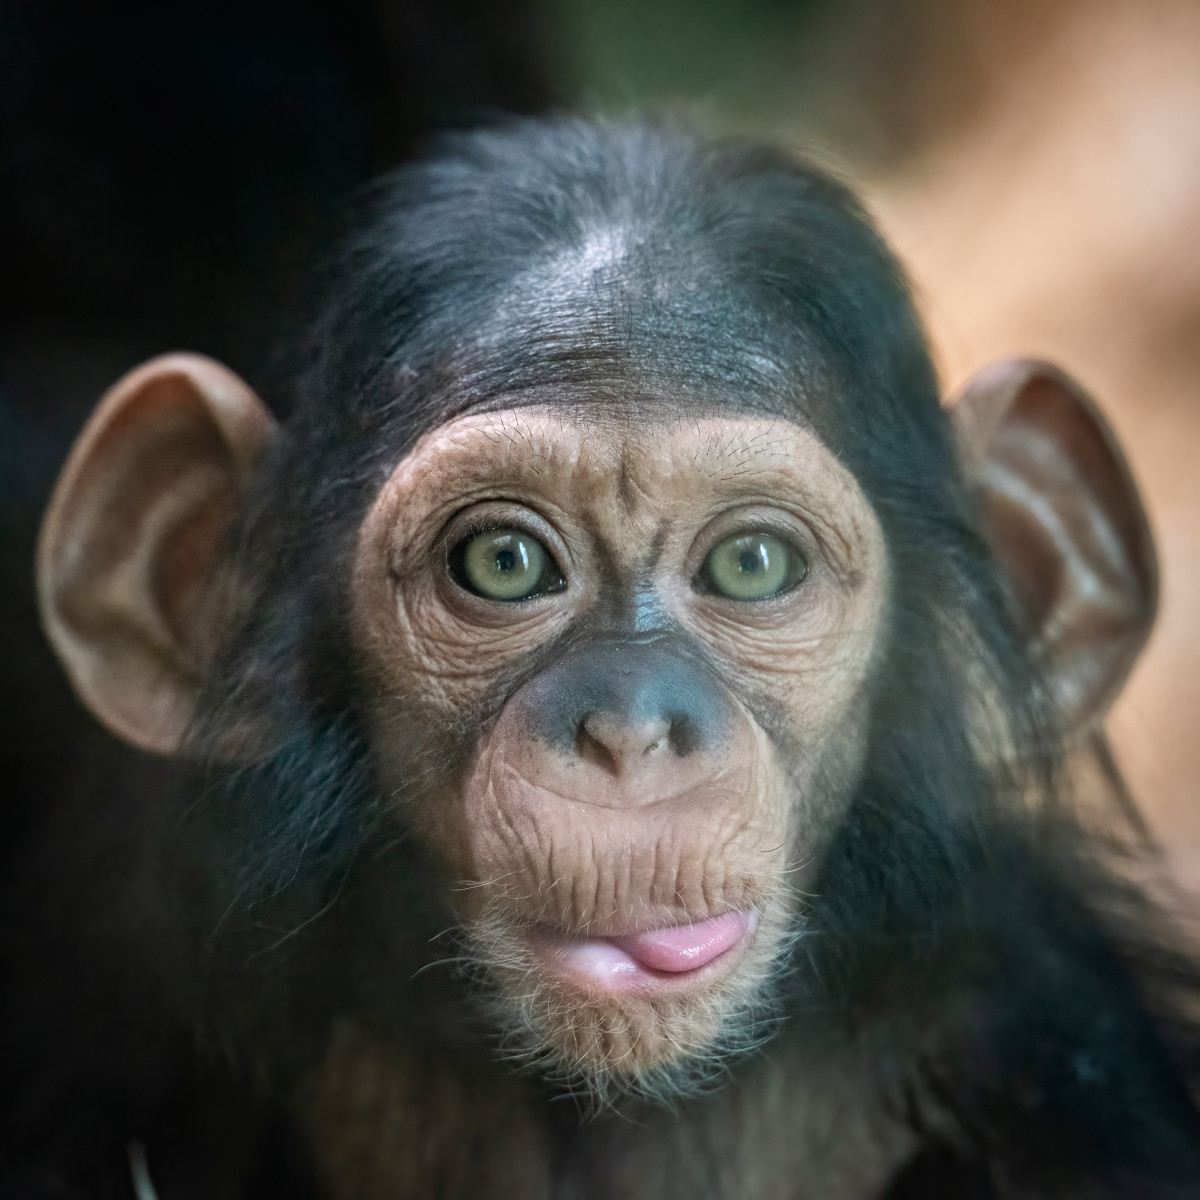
(170, 172)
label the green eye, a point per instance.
(504, 564)
(751, 566)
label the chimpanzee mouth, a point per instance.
(668, 957)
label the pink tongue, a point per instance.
(684, 947)
(629, 958)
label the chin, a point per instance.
(656, 1012)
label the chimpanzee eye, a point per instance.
(752, 566)
(504, 564)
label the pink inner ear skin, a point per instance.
(1066, 524)
(639, 958)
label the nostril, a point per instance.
(683, 736)
(618, 744)
(592, 748)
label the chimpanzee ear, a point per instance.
(130, 547)
(1064, 519)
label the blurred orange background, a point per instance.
(1053, 209)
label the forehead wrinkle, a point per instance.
(738, 442)
(621, 467)
(515, 427)
(525, 443)
(747, 459)
(722, 453)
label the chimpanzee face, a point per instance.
(635, 656)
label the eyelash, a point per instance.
(454, 534)
(785, 533)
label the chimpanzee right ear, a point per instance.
(131, 545)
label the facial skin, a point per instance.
(639, 767)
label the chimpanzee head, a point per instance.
(618, 539)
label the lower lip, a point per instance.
(653, 957)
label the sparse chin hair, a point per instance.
(600, 1049)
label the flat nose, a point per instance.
(621, 745)
(621, 723)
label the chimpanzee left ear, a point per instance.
(1065, 522)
